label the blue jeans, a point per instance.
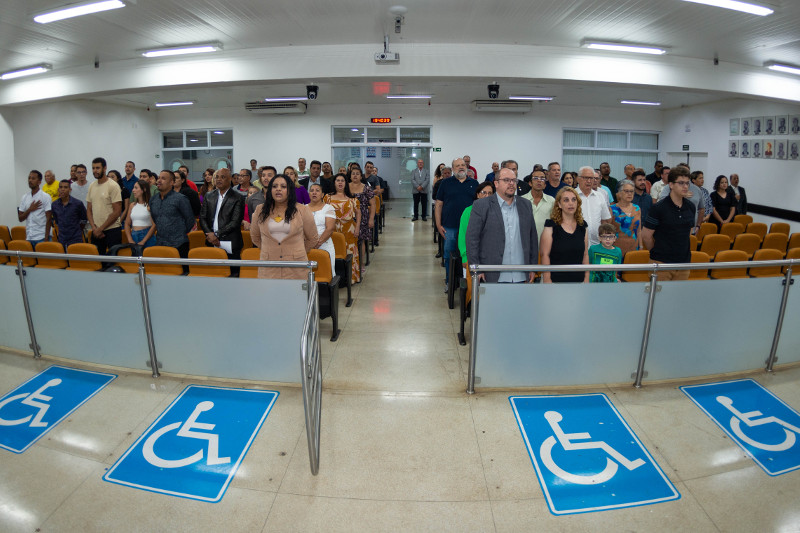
(34, 243)
(450, 246)
(138, 235)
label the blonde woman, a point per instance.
(565, 240)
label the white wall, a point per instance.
(54, 136)
(770, 182)
(529, 138)
(8, 207)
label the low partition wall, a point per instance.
(228, 328)
(538, 335)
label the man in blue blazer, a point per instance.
(501, 231)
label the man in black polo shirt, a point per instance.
(669, 224)
(454, 195)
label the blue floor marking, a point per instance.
(755, 419)
(31, 410)
(195, 447)
(586, 456)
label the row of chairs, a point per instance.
(637, 257)
(746, 242)
(732, 229)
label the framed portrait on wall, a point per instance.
(757, 125)
(769, 125)
(782, 124)
(780, 149)
(744, 148)
(757, 148)
(769, 148)
(746, 126)
(794, 155)
(794, 124)
(734, 127)
(733, 148)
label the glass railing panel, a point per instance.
(94, 317)
(712, 327)
(789, 345)
(228, 328)
(14, 326)
(560, 334)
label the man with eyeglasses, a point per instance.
(541, 203)
(669, 224)
(454, 195)
(594, 204)
(501, 231)
(598, 186)
(695, 196)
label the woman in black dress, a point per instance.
(565, 240)
(724, 202)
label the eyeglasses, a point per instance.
(485, 192)
(627, 191)
(507, 180)
(609, 236)
(682, 183)
(539, 179)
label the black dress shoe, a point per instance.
(438, 255)
(424, 219)
(414, 219)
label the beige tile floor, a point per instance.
(403, 447)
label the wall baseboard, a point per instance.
(774, 212)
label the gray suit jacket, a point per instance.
(486, 235)
(420, 178)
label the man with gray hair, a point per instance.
(420, 179)
(594, 206)
(455, 194)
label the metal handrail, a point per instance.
(311, 374)
(653, 268)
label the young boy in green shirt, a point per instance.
(605, 253)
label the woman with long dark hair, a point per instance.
(366, 198)
(724, 202)
(348, 219)
(139, 226)
(283, 229)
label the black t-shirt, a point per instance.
(567, 249)
(672, 226)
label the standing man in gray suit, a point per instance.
(501, 231)
(420, 179)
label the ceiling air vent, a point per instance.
(501, 106)
(276, 108)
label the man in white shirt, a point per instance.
(594, 204)
(542, 203)
(34, 211)
(655, 190)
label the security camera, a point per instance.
(398, 22)
(312, 91)
(494, 91)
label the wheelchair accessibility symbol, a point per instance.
(567, 442)
(586, 456)
(186, 429)
(757, 420)
(39, 404)
(194, 448)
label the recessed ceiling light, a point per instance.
(624, 47)
(27, 71)
(286, 98)
(781, 67)
(745, 7)
(171, 104)
(203, 48)
(638, 102)
(76, 10)
(538, 98)
(410, 96)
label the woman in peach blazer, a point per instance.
(283, 229)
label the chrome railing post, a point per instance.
(21, 273)
(311, 373)
(148, 323)
(473, 344)
(773, 352)
(647, 321)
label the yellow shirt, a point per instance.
(102, 197)
(51, 189)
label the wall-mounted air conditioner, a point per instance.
(501, 106)
(276, 108)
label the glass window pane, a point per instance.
(612, 139)
(418, 135)
(381, 135)
(578, 139)
(221, 137)
(198, 160)
(644, 141)
(348, 134)
(173, 139)
(196, 139)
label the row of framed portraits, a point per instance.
(777, 125)
(765, 148)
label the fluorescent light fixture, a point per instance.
(410, 96)
(286, 99)
(353, 129)
(172, 104)
(537, 98)
(781, 67)
(219, 133)
(638, 102)
(624, 47)
(27, 71)
(745, 7)
(76, 10)
(183, 50)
